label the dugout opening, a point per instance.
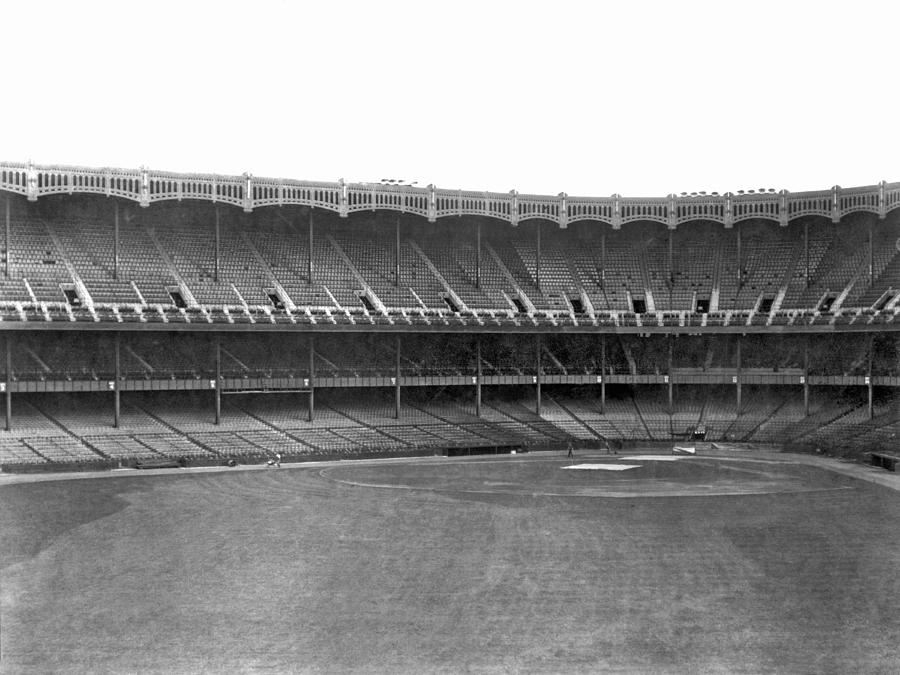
(482, 450)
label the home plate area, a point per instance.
(623, 467)
(631, 476)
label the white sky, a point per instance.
(638, 98)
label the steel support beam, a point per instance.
(216, 262)
(738, 365)
(117, 395)
(397, 377)
(537, 379)
(7, 240)
(309, 253)
(871, 386)
(478, 375)
(603, 260)
(806, 250)
(603, 373)
(478, 255)
(116, 242)
(871, 256)
(397, 252)
(671, 262)
(310, 413)
(8, 381)
(669, 366)
(218, 380)
(806, 376)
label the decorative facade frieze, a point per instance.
(248, 192)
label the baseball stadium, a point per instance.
(281, 425)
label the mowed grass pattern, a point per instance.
(288, 571)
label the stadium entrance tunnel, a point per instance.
(598, 476)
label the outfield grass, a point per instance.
(292, 570)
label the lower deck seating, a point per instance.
(14, 451)
(179, 425)
(61, 449)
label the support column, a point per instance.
(117, 397)
(871, 386)
(603, 260)
(537, 258)
(8, 379)
(8, 246)
(537, 379)
(397, 253)
(218, 381)
(871, 257)
(309, 254)
(671, 263)
(806, 376)
(478, 376)
(116, 243)
(806, 250)
(738, 374)
(216, 262)
(669, 369)
(478, 255)
(312, 374)
(603, 374)
(740, 276)
(397, 379)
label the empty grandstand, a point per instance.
(208, 318)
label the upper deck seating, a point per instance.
(166, 250)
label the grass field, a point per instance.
(496, 565)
